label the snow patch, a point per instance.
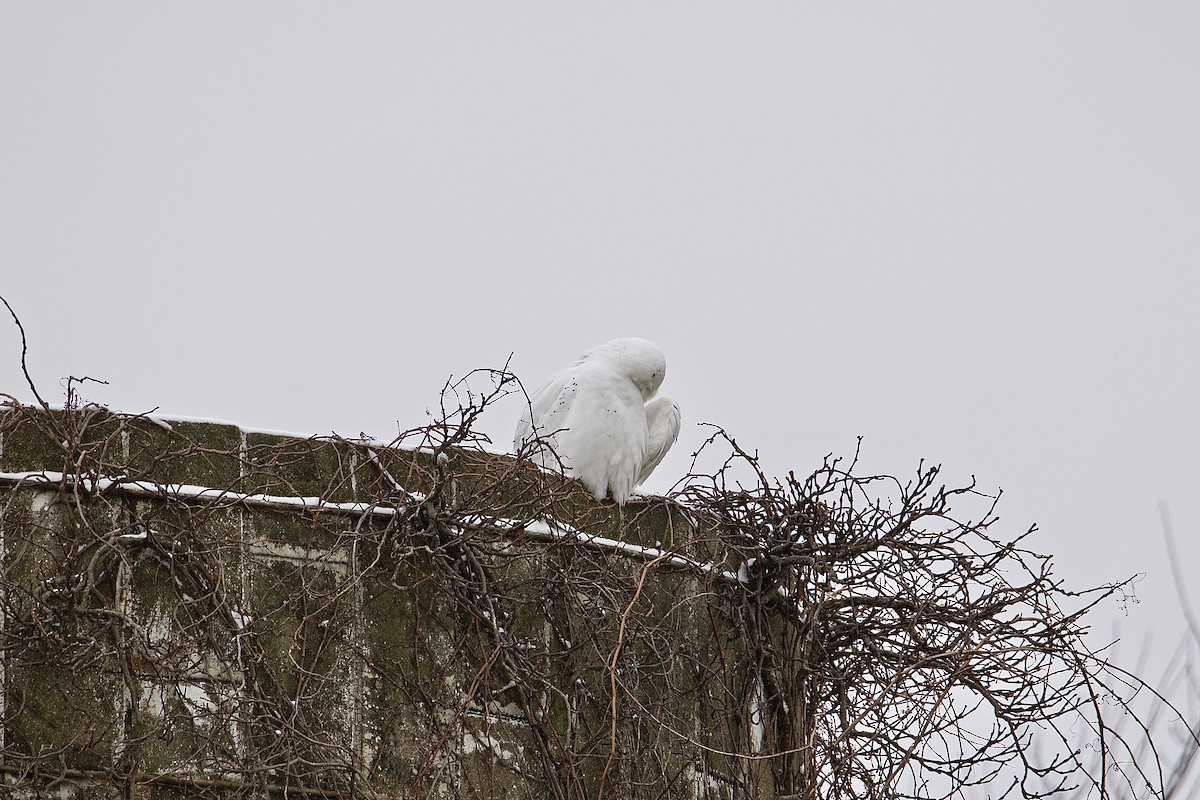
(482, 742)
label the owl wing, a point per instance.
(662, 429)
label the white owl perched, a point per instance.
(594, 416)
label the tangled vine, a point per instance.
(221, 613)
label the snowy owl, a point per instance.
(595, 416)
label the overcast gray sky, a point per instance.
(965, 232)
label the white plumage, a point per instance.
(595, 419)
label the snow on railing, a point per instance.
(542, 530)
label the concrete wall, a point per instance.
(190, 609)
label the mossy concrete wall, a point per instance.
(191, 609)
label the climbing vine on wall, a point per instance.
(201, 610)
